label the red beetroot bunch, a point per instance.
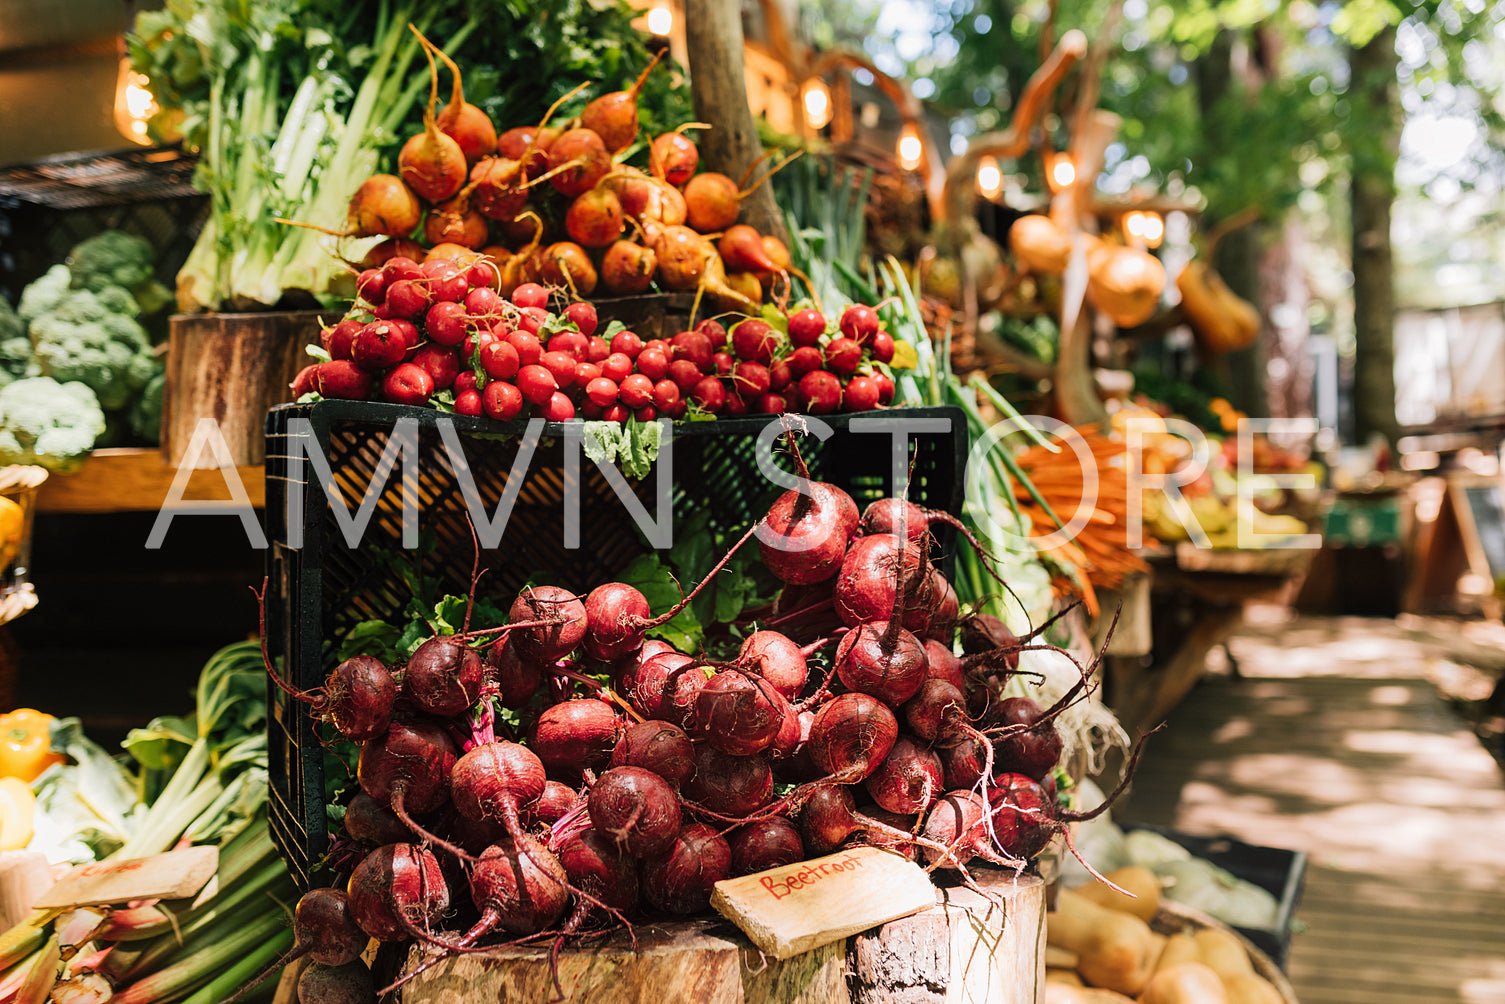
(441, 328)
(637, 776)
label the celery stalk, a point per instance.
(192, 971)
(227, 982)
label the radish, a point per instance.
(383, 204)
(657, 746)
(443, 676)
(806, 327)
(1036, 749)
(860, 394)
(395, 888)
(729, 785)
(821, 392)
(851, 735)
(908, 779)
(764, 844)
(614, 116)
(682, 880)
(577, 735)
(737, 713)
(809, 533)
(463, 122)
(859, 322)
(636, 809)
(432, 163)
(776, 658)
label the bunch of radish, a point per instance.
(441, 331)
(636, 776)
(559, 204)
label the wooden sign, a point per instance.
(174, 875)
(799, 907)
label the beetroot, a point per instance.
(728, 784)
(444, 676)
(1031, 809)
(369, 822)
(616, 616)
(517, 679)
(432, 163)
(807, 533)
(597, 866)
(882, 659)
(682, 880)
(674, 157)
(985, 633)
(776, 658)
(850, 736)
(556, 801)
(1036, 750)
(959, 822)
(737, 713)
(965, 762)
(870, 576)
(576, 735)
(350, 983)
(408, 767)
(830, 818)
(358, 696)
(908, 779)
(636, 809)
(578, 160)
(942, 664)
(519, 887)
(657, 746)
(927, 712)
(496, 781)
(666, 687)
(551, 642)
(395, 888)
(764, 844)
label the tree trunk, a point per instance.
(718, 84)
(1372, 193)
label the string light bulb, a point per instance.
(1060, 171)
(134, 104)
(910, 147)
(989, 177)
(1144, 226)
(660, 20)
(817, 100)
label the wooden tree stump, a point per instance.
(232, 368)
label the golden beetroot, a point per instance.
(496, 187)
(627, 268)
(594, 219)
(384, 204)
(674, 157)
(566, 264)
(462, 121)
(431, 162)
(682, 256)
(454, 221)
(712, 202)
(578, 160)
(742, 250)
(614, 116)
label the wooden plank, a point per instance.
(789, 910)
(1271, 561)
(173, 875)
(130, 479)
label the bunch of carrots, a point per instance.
(1099, 553)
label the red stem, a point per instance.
(674, 611)
(317, 701)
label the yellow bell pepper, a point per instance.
(18, 807)
(26, 744)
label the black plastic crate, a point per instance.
(319, 591)
(1280, 872)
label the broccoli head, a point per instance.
(146, 413)
(82, 339)
(47, 423)
(15, 347)
(111, 258)
(43, 294)
(11, 325)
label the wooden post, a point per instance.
(713, 31)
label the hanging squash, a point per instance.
(1222, 320)
(1039, 244)
(1124, 283)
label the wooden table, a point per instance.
(1197, 598)
(135, 479)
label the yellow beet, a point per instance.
(1117, 951)
(1185, 983)
(1143, 883)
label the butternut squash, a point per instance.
(1180, 947)
(1223, 953)
(1117, 951)
(1060, 958)
(1039, 244)
(1065, 993)
(1143, 883)
(1185, 983)
(1249, 988)
(1067, 976)
(1124, 283)
(1221, 319)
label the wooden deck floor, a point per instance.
(1336, 740)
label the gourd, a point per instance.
(1039, 244)
(1201, 884)
(1249, 988)
(1116, 950)
(1184, 983)
(1124, 283)
(1223, 953)
(1065, 993)
(1136, 879)
(1179, 947)
(1222, 320)
(1067, 976)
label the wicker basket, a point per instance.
(1173, 917)
(18, 484)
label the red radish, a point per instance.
(729, 784)
(344, 380)
(499, 360)
(501, 401)
(339, 338)
(596, 866)
(432, 163)
(439, 363)
(407, 298)
(397, 887)
(851, 735)
(682, 257)
(517, 679)
(772, 404)
(959, 822)
(408, 384)
(585, 373)
(394, 247)
(859, 323)
(636, 809)
(674, 157)
(463, 122)
(636, 390)
(764, 844)
(530, 294)
(712, 329)
(860, 394)
(578, 160)
(594, 219)
(627, 268)
(755, 340)
(583, 316)
(843, 356)
(681, 881)
(882, 659)
(555, 803)
(384, 204)
(616, 367)
(666, 395)
(367, 821)
(810, 530)
(737, 713)
(657, 746)
(597, 348)
(379, 345)
(615, 116)
(536, 383)
(821, 392)
(777, 659)
(741, 248)
(692, 346)
(882, 348)
(454, 221)
(560, 366)
(447, 323)
(908, 779)
(576, 735)
(805, 359)
(443, 676)
(709, 395)
(602, 392)
(653, 363)
(928, 711)
(1033, 752)
(566, 264)
(806, 327)
(724, 362)
(684, 375)
(527, 346)
(750, 380)
(448, 279)
(468, 402)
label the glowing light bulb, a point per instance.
(1063, 172)
(910, 147)
(660, 20)
(1154, 229)
(134, 104)
(817, 104)
(989, 178)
